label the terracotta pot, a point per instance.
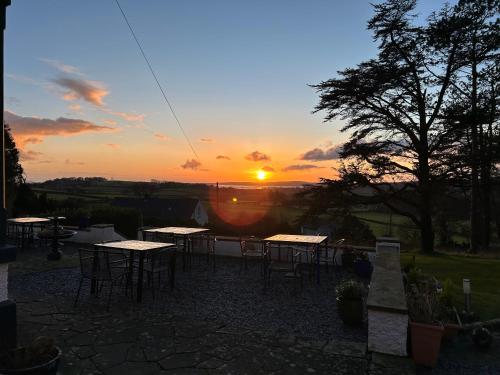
(450, 331)
(48, 368)
(425, 343)
(350, 310)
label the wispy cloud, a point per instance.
(207, 140)
(34, 130)
(191, 164)
(257, 156)
(110, 122)
(317, 154)
(129, 116)
(162, 137)
(29, 155)
(62, 67)
(300, 167)
(68, 161)
(222, 157)
(268, 168)
(114, 146)
(77, 88)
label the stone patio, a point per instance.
(212, 323)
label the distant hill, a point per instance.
(268, 183)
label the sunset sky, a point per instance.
(81, 101)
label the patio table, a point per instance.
(141, 247)
(183, 232)
(29, 222)
(300, 239)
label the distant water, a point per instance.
(256, 186)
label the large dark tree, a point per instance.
(14, 173)
(473, 106)
(393, 106)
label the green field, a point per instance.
(483, 272)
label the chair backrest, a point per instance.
(252, 244)
(339, 242)
(89, 262)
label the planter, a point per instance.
(425, 343)
(48, 368)
(348, 259)
(363, 268)
(350, 311)
(450, 331)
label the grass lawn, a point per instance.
(484, 274)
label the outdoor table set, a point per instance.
(313, 244)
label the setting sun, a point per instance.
(261, 175)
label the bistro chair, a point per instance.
(100, 267)
(251, 248)
(324, 254)
(290, 269)
(156, 266)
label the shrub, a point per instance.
(349, 290)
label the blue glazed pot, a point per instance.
(363, 268)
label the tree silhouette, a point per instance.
(394, 107)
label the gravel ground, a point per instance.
(225, 296)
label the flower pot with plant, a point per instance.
(41, 357)
(426, 330)
(448, 314)
(348, 257)
(350, 302)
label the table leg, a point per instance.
(140, 276)
(172, 262)
(23, 233)
(93, 283)
(317, 263)
(184, 249)
(130, 279)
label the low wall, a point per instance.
(386, 304)
(95, 234)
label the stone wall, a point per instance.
(387, 310)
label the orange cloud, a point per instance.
(113, 145)
(68, 161)
(222, 157)
(257, 156)
(162, 137)
(90, 91)
(300, 167)
(32, 129)
(110, 122)
(207, 140)
(126, 115)
(191, 164)
(318, 154)
(65, 68)
(268, 168)
(29, 155)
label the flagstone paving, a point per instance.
(220, 323)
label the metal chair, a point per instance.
(290, 268)
(251, 248)
(100, 267)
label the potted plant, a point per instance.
(348, 257)
(350, 301)
(426, 330)
(41, 357)
(448, 313)
(362, 264)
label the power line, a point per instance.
(156, 79)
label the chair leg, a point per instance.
(109, 297)
(78, 292)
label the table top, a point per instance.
(135, 245)
(177, 230)
(297, 239)
(28, 220)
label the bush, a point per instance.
(349, 290)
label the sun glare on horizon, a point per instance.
(261, 175)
